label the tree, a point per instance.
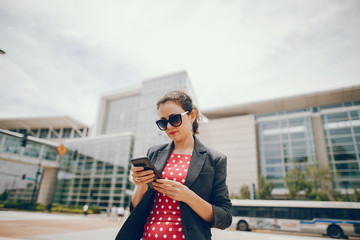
(244, 192)
(264, 189)
(295, 182)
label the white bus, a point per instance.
(336, 219)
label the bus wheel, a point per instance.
(334, 231)
(243, 226)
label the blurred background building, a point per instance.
(266, 138)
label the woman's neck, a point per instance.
(184, 147)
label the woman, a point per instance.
(192, 197)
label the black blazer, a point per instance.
(206, 177)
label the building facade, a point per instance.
(266, 138)
(319, 130)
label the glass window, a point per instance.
(343, 157)
(281, 212)
(262, 212)
(340, 131)
(352, 166)
(302, 213)
(323, 212)
(44, 133)
(66, 133)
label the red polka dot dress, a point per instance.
(164, 221)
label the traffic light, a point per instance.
(24, 140)
(23, 177)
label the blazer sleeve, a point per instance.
(219, 198)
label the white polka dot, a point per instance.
(174, 236)
(151, 222)
(147, 228)
(174, 201)
(172, 155)
(166, 200)
(171, 173)
(153, 228)
(169, 168)
(170, 229)
(165, 212)
(161, 229)
(185, 170)
(173, 160)
(177, 223)
(180, 229)
(178, 156)
(186, 157)
(157, 212)
(169, 218)
(159, 200)
(151, 212)
(163, 172)
(149, 234)
(179, 219)
(174, 213)
(177, 169)
(158, 223)
(180, 174)
(164, 236)
(188, 162)
(156, 235)
(167, 223)
(183, 180)
(174, 179)
(178, 207)
(183, 236)
(169, 207)
(160, 218)
(181, 161)
(156, 206)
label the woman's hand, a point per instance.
(141, 177)
(172, 189)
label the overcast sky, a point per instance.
(62, 55)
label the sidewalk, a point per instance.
(54, 226)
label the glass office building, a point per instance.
(96, 172)
(286, 140)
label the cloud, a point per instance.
(61, 55)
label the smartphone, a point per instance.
(148, 165)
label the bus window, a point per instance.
(323, 213)
(341, 213)
(245, 212)
(302, 213)
(354, 214)
(280, 212)
(262, 212)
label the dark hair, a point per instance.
(184, 100)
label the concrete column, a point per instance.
(320, 144)
(320, 147)
(47, 186)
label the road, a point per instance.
(52, 226)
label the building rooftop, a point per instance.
(346, 94)
(41, 122)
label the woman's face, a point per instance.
(185, 129)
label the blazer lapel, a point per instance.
(196, 163)
(163, 157)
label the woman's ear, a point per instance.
(193, 115)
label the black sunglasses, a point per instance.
(174, 120)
